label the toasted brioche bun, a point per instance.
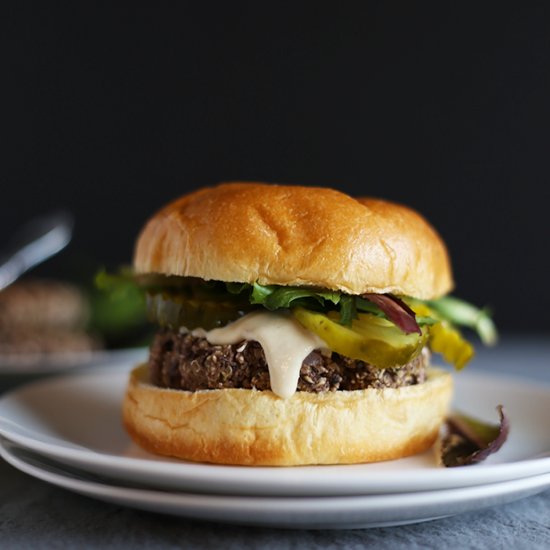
(284, 235)
(249, 427)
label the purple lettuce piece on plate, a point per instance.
(469, 441)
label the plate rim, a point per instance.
(63, 363)
(290, 506)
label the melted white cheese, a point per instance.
(285, 342)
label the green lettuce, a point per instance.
(273, 297)
(461, 313)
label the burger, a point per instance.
(44, 320)
(296, 326)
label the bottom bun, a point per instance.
(250, 427)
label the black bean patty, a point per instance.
(186, 362)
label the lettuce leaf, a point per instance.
(274, 297)
(469, 440)
(461, 313)
(442, 315)
(348, 310)
(117, 309)
(397, 311)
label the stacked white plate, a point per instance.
(67, 431)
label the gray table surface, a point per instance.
(34, 514)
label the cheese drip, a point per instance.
(286, 343)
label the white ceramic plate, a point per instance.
(16, 372)
(75, 419)
(29, 364)
(347, 512)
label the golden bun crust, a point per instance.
(249, 427)
(304, 236)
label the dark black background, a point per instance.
(112, 112)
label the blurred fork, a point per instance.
(34, 243)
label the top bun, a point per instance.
(299, 236)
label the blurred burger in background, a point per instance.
(39, 318)
(45, 321)
(49, 322)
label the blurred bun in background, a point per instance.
(41, 317)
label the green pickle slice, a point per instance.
(370, 338)
(176, 311)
